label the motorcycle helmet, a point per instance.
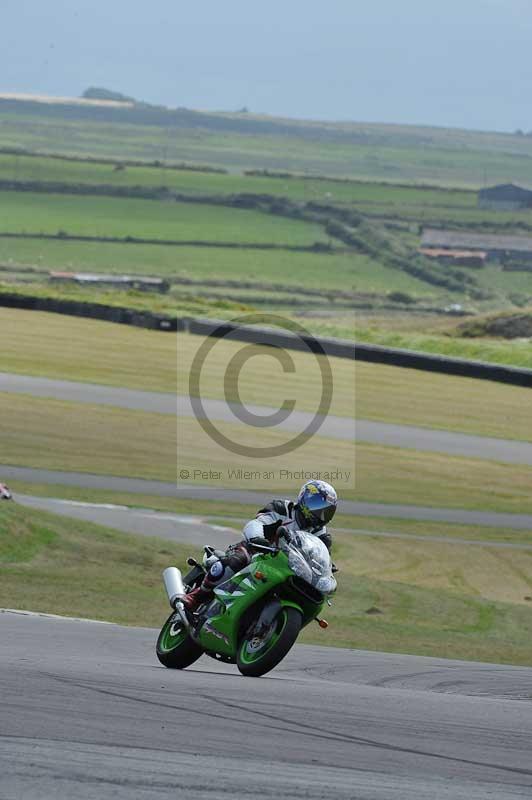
(316, 504)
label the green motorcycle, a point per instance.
(256, 614)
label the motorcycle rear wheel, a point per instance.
(175, 649)
(255, 658)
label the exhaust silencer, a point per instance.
(173, 583)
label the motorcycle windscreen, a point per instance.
(310, 560)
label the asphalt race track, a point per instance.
(223, 494)
(184, 528)
(407, 436)
(87, 712)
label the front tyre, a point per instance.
(175, 649)
(258, 655)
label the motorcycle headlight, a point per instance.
(327, 584)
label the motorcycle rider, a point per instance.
(314, 508)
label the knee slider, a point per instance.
(216, 571)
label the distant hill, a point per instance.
(19, 100)
(99, 124)
(99, 93)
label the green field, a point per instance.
(25, 212)
(455, 612)
(361, 193)
(477, 219)
(495, 278)
(424, 205)
(377, 262)
(296, 271)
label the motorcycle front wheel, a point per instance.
(175, 649)
(257, 655)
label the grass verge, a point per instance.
(63, 566)
(517, 354)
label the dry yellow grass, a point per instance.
(420, 398)
(99, 352)
(56, 435)
(71, 348)
(59, 435)
(88, 350)
(493, 573)
(68, 436)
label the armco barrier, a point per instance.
(253, 334)
(363, 352)
(78, 308)
(256, 334)
(428, 362)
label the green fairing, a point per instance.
(220, 632)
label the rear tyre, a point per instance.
(175, 649)
(256, 656)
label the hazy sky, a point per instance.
(462, 63)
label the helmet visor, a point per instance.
(321, 509)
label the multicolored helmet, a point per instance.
(316, 504)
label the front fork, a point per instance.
(270, 612)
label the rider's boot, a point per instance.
(195, 598)
(201, 594)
